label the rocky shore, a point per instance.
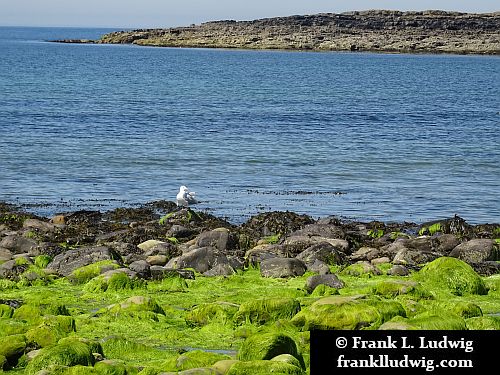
(155, 289)
(377, 31)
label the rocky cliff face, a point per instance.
(383, 31)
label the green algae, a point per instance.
(193, 359)
(86, 273)
(455, 275)
(263, 367)
(260, 311)
(71, 353)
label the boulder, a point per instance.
(41, 226)
(160, 273)
(5, 254)
(261, 252)
(330, 280)
(319, 267)
(221, 269)
(361, 268)
(323, 251)
(398, 270)
(297, 244)
(282, 267)
(69, 261)
(141, 268)
(18, 244)
(221, 239)
(201, 259)
(320, 230)
(365, 253)
(476, 251)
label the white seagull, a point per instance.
(185, 197)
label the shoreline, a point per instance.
(377, 31)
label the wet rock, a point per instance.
(476, 251)
(409, 257)
(282, 267)
(67, 262)
(180, 231)
(487, 268)
(275, 223)
(40, 225)
(445, 243)
(330, 280)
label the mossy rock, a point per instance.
(29, 313)
(288, 358)
(361, 269)
(95, 346)
(452, 274)
(434, 321)
(223, 366)
(260, 311)
(393, 288)
(51, 330)
(12, 327)
(86, 273)
(42, 261)
(466, 309)
(352, 312)
(483, 323)
(206, 313)
(113, 367)
(137, 306)
(263, 367)
(117, 282)
(323, 290)
(117, 346)
(193, 359)
(267, 346)
(70, 353)
(12, 348)
(3, 363)
(6, 311)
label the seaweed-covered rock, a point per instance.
(12, 348)
(262, 367)
(476, 251)
(282, 267)
(71, 353)
(361, 268)
(343, 312)
(207, 313)
(454, 275)
(260, 311)
(51, 330)
(84, 274)
(433, 321)
(69, 261)
(330, 280)
(267, 346)
(194, 359)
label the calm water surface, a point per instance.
(365, 136)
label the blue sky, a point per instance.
(167, 13)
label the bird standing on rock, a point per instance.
(185, 197)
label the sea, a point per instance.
(359, 136)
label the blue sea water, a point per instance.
(365, 136)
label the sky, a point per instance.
(171, 13)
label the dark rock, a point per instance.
(282, 267)
(40, 225)
(18, 244)
(180, 231)
(160, 273)
(275, 223)
(297, 244)
(321, 230)
(319, 267)
(67, 262)
(142, 268)
(365, 253)
(220, 238)
(12, 269)
(201, 259)
(330, 280)
(409, 257)
(487, 268)
(398, 270)
(221, 269)
(323, 251)
(445, 243)
(262, 252)
(476, 251)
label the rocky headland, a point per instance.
(155, 288)
(377, 31)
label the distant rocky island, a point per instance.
(430, 31)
